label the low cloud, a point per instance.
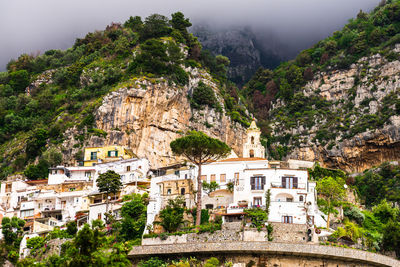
(31, 26)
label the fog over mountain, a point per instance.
(28, 26)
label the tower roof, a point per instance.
(253, 126)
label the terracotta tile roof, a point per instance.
(241, 159)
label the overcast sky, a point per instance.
(28, 26)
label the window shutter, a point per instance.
(109, 153)
(262, 182)
(116, 153)
(295, 182)
(284, 182)
(252, 182)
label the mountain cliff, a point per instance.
(244, 49)
(337, 102)
(360, 123)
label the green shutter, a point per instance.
(109, 153)
(116, 153)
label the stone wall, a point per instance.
(289, 232)
(267, 254)
(283, 232)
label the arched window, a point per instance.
(251, 153)
(252, 140)
(301, 198)
(182, 191)
(169, 191)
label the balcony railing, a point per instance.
(288, 186)
(52, 207)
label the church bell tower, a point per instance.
(253, 147)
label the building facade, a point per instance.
(95, 155)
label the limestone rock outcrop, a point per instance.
(150, 113)
(362, 92)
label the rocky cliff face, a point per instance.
(242, 48)
(150, 113)
(365, 107)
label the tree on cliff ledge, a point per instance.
(200, 149)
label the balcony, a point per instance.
(287, 186)
(50, 207)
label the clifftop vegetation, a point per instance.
(42, 96)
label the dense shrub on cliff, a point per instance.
(379, 183)
(69, 85)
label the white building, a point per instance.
(133, 174)
(12, 194)
(62, 206)
(62, 174)
(131, 170)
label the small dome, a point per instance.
(253, 126)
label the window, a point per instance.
(113, 153)
(251, 153)
(289, 182)
(131, 176)
(222, 178)
(209, 206)
(236, 178)
(123, 178)
(128, 168)
(99, 216)
(301, 198)
(177, 172)
(257, 182)
(212, 179)
(182, 191)
(93, 155)
(88, 174)
(310, 219)
(169, 191)
(257, 201)
(287, 219)
(204, 177)
(72, 189)
(26, 213)
(252, 140)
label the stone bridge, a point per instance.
(266, 254)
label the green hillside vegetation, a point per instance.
(75, 81)
(375, 221)
(365, 35)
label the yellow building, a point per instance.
(94, 155)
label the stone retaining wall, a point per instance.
(268, 254)
(289, 232)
